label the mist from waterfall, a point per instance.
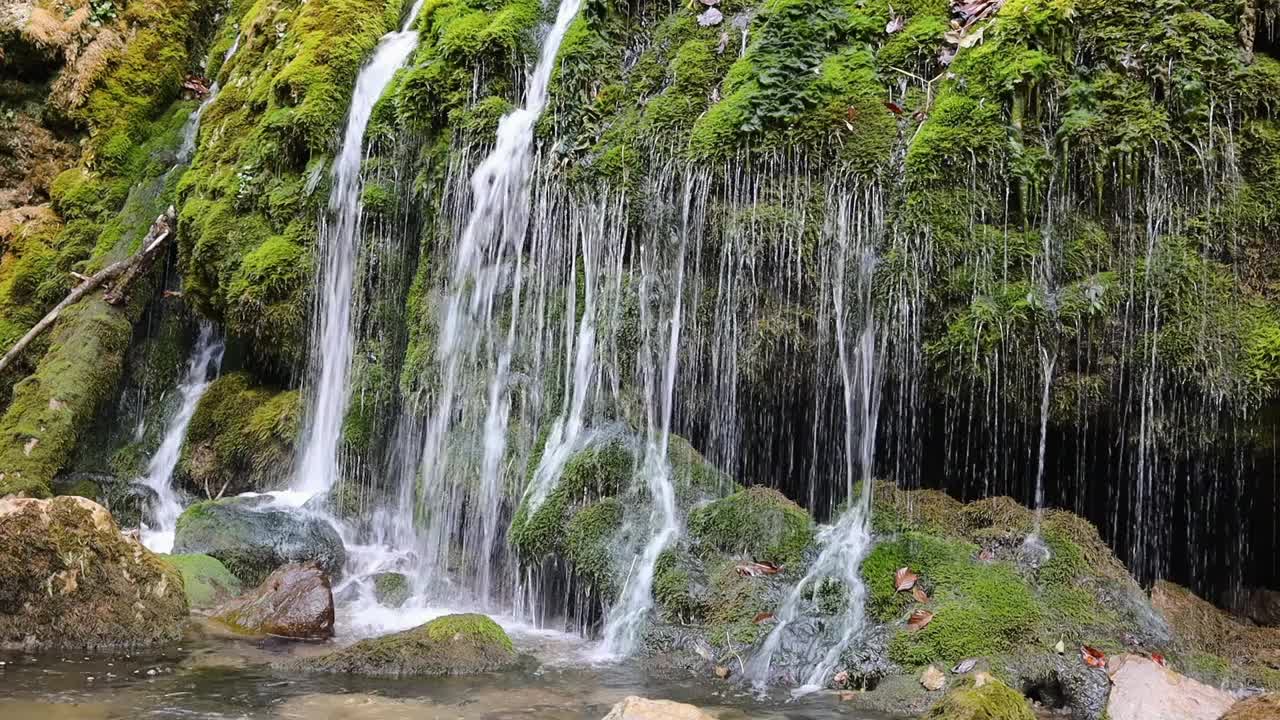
(333, 336)
(206, 359)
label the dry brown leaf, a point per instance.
(932, 678)
(920, 595)
(754, 569)
(1093, 657)
(919, 619)
(904, 579)
(762, 617)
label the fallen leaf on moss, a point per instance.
(919, 619)
(1093, 657)
(1061, 647)
(921, 596)
(1158, 659)
(762, 617)
(894, 25)
(904, 579)
(754, 569)
(894, 107)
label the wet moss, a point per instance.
(992, 700)
(450, 645)
(205, 579)
(758, 522)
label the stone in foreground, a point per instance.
(1142, 689)
(207, 581)
(391, 589)
(70, 579)
(252, 537)
(451, 645)
(982, 697)
(638, 708)
(294, 602)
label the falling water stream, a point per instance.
(191, 131)
(334, 336)
(206, 358)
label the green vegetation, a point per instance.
(450, 645)
(206, 580)
(991, 700)
(760, 523)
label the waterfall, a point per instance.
(844, 544)
(206, 358)
(487, 262)
(191, 131)
(333, 335)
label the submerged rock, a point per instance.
(253, 538)
(70, 579)
(295, 601)
(206, 580)
(391, 589)
(451, 645)
(981, 698)
(638, 708)
(1143, 689)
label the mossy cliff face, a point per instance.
(69, 579)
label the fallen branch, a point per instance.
(127, 270)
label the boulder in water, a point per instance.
(1143, 689)
(391, 589)
(638, 708)
(206, 580)
(295, 601)
(450, 645)
(70, 579)
(252, 537)
(981, 698)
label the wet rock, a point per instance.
(70, 579)
(391, 589)
(206, 580)
(638, 708)
(1084, 689)
(252, 537)
(1143, 689)
(451, 645)
(295, 601)
(1261, 707)
(985, 698)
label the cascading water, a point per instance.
(856, 229)
(487, 265)
(191, 131)
(206, 358)
(334, 336)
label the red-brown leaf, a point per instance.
(1158, 659)
(1093, 657)
(894, 107)
(754, 569)
(919, 619)
(921, 596)
(904, 579)
(762, 617)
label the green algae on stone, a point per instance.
(992, 700)
(206, 580)
(758, 522)
(391, 589)
(463, 644)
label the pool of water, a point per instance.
(211, 675)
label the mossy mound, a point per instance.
(759, 523)
(240, 438)
(990, 700)
(70, 579)
(1216, 647)
(252, 539)
(451, 645)
(206, 580)
(1261, 707)
(391, 589)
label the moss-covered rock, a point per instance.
(759, 523)
(252, 538)
(988, 700)
(70, 579)
(206, 580)
(391, 589)
(450, 645)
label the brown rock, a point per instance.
(1143, 689)
(1261, 707)
(70, 579)
(638, 708)
(295, 601)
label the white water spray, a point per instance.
(845, 544)
(488, 261)
(334, 336)
(206, 358)
(191, 131)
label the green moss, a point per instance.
(240, 437)
(587, 544)
(206, 580)
(758, 522)
(992, 701)
(391, 589)
(449, 645)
